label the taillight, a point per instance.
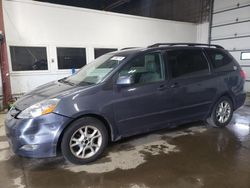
(243, 74)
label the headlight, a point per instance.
(38, 109)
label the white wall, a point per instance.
(230, 21)
(29, 23)
(202, 32)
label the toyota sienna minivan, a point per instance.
(125, 93)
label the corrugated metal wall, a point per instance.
(231, 28)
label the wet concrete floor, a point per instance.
(191, 156)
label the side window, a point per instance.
(101, 51)
(27, 58)
(245, 56)
(187, 63)
(145, 69)
(69, 58)
(220, 60)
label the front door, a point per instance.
(140, 107)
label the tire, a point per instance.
(215, 120)
(80, 148)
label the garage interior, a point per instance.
(62, 36)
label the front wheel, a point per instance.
(84, 140)
(222, 113)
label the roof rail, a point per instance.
(128, 48)
(184, 44)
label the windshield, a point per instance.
(94, 72)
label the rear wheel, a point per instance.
(222, 113)
(84, 141)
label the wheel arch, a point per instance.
(226, 94)
(107, 124)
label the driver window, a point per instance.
(145, 69)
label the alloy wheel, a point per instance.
(85, 142)
(223, 112)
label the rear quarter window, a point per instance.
(221, 61)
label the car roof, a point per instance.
(165, 46)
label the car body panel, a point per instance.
(43, 132)
(192, 96)
(53, 89)
(147, 107)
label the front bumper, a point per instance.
(36, 137)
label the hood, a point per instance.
(47, 91)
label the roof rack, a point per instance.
(128, 48)
(184, 44)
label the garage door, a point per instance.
(231, 28)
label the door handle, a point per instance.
(174, 85)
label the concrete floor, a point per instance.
(192, 155)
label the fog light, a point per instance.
(31, 147)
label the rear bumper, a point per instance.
(240, 100)
(36, 137)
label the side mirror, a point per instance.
(125, 80)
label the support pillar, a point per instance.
(4, 62)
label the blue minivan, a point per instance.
(125, 93)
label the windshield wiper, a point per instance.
(84, 82)
(66, 82)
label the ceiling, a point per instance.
(195, 11)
